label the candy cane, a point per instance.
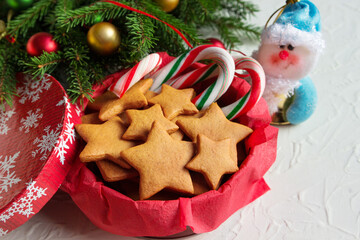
(201, 74)
(242, 62)
(220, 56)
(248, 101)
(195, 76)
(142, 68)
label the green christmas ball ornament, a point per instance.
(98, 18)
(19, 4)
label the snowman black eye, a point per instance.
(291, 47)
(282, 46)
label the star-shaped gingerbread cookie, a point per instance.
(161, 162)
(213, 160)
(104, 141)
(101, 100)
(216, 126)
(133, 98)
(91, 118)
(111, 172)
(150, 94)
(141, 122)
(174, 101)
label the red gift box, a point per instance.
(116, 213)
(106, 208)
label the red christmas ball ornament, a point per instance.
(40, 42)
(216, 42)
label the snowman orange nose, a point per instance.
(283, 55)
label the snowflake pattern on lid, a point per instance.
(25, 205)
(41, 124)
(4, 118)
(3, 232)
(46, 142)
(7, 175)
(31, 120)
(68, 136)
(32, 89)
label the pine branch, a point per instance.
(61, 7)
(78, 54)
(45, 63)
(239, 8)
(96, 72)
(7, 73)
(141, 34)
(79, 83)
(87, 15)
(227, 17)
(196, 11)
(23, 22)
(69, 21)
(234, 32)
(169, 39)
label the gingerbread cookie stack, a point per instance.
(160, 141)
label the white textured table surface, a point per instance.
(315, 180)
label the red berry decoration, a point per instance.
(216, 42)
(40, 42)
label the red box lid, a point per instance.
(37, 148)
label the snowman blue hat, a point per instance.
(303, 15)
(299, 25)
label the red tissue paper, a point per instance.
(114, 212)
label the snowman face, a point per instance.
(286, 61)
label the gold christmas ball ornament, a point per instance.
(168, 5)
(103, 38)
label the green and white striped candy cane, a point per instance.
(220, 56)
(249, 100)
(242, 62)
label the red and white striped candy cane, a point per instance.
(142, 68)
(248, 101)
(200, 74)
(242, 62)
(220, 56)
(191, 78)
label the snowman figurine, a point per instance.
(288, 51)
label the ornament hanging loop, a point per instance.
(291, 1)
(280, 10)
